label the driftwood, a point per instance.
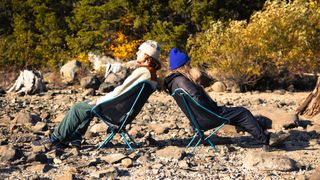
(311, 105)
(28, 82)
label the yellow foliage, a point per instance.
(122, 48)
(83, 58)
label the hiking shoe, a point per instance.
(76, 143)
(277, 139)
(48, 142)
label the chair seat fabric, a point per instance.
(121, 110)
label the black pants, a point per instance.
(242, 117)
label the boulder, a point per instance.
(266, 161)
(280, 119)
(69, 70)
(90, 82)
(98, 62)
(218, 87)
(106, 87)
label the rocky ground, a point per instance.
(161, 132)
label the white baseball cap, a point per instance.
(151, 48)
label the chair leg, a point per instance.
(131, 139)
(126, 141)
(196, 145)
(107, 140)
(195, 135)
(212, 145)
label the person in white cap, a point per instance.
(77, 120)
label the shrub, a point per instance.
(283, 35)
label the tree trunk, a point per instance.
(311, 105)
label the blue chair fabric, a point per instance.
(201, 118)
(122, 110)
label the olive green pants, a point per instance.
(75, 122)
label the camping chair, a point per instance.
(121, 110)
(202, 119)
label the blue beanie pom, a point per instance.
(177, 58)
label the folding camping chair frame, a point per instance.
(199, 133)
(122, 128)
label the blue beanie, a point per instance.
(177, 58)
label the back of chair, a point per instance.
(201, 117)
(130, 103)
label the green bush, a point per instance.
(282, 35)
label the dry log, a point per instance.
(29, 82)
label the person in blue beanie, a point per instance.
(185, 77)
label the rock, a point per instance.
(110, 172)
(183, 164)
(69, 70)
(39, 168)
(23, 118)
(171, 152)
(218, 87)
(158, 128)
(106, 87)
(7, 153)
(90, 82)
(99, 62)
(316, 119)
(135, 131)
(45, 115)
(99, 127)
(228, 129)
(5, 121)
(40, 126)
(316, 174)
(268, 162)
(89, 92)
(127, 162)
(40, 157)
(315, 127)
(280, 118)
(280, 91)
(58, 118)
(111, 78)
(113, 158)
(37, 149)
(117, 78)
(65, 176)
